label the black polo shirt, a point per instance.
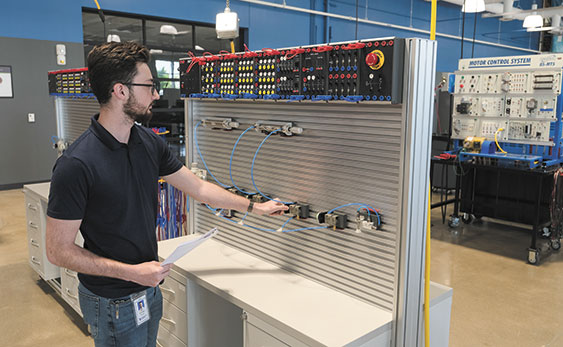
(113, 188)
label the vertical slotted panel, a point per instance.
(369, 153)
(73, 116)
(348, 153)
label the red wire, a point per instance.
(248, 53)
(294, 52)
(357, 45)
(321, 49)
(370, 210)
(270, 51)
(198, 60)
(212, 56)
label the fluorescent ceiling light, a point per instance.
(168, 29)
(534, 20)
(113, 38)
(156, 51)
(473, 6)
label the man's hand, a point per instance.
(149, 274)
(271, 208)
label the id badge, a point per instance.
(141, 308)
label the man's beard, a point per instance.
(136, 112)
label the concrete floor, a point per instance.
(498, 300)
(32, 313)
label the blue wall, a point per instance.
(60, 20)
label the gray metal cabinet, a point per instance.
(36, 209)
(173, 330)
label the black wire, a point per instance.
(474, 29)
(356, 36)
(462, 29)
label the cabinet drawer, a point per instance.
(256, 337)
(34, 228)
(69, 288)
(175, 293)
(166, 339)
(33, 233)
(258, 333)
(38, 260)
(175, 321)
(32, 209)
(34, 242)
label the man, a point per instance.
(105, 184)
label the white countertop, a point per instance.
(40, 189)
(311, 312)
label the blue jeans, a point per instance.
(112, 321)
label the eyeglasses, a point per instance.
(155, 86)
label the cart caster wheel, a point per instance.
(546, 232)
(453, 222)
(533, 257)
(466, 218)
(556, 245)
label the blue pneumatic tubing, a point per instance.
(270, 230)
(231, 161)
(284, 224)
(201, 156)
(252, 168)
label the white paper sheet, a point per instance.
(188, 246)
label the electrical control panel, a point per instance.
(514, 102)
(516, 94)
(72, 81)
(366, 70)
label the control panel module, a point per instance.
(366, 70)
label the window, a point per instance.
(168, 40)
(168, 74)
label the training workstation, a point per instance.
(328, 147)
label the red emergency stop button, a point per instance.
(372, 59)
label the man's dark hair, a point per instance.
(114, 62)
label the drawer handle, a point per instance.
(34, 243)
(69, 293)
(158, 343)
(168, 320)
(168, 290)
(71, 273)
(32, 207)
(33, 225)
(35, 261)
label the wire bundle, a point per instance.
(172, 212)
